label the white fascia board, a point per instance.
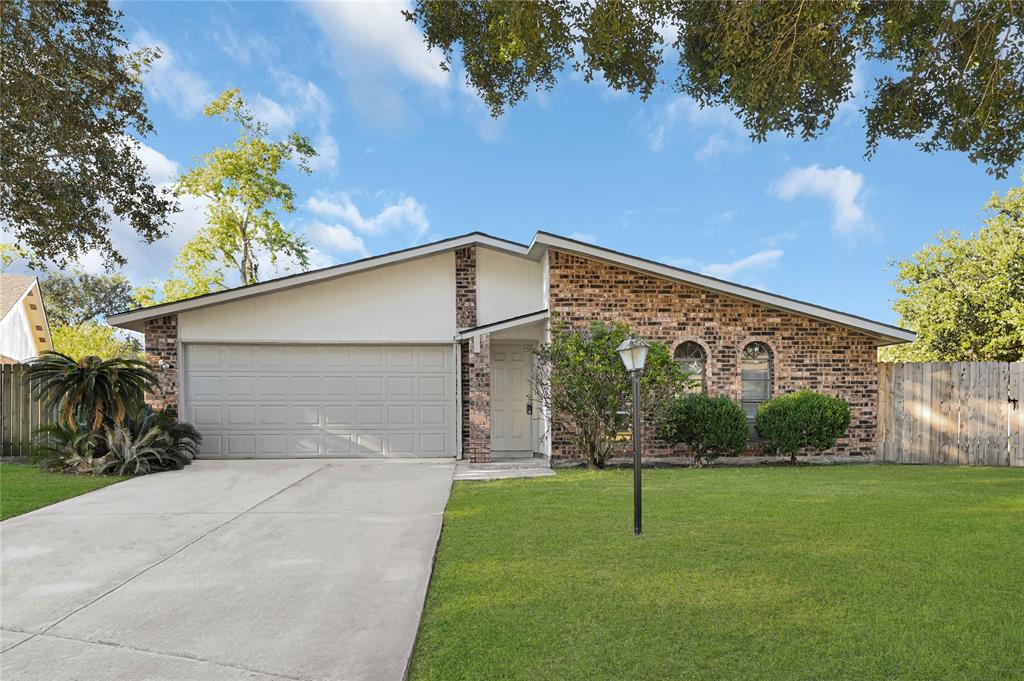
(493, 327)
(886, 332)
(132, 318)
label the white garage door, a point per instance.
(273, 401)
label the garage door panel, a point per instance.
(401, 414)
(301, 401)
(305, 386)
(371, 387)
(370, 358)
(338, 357)
(241, 444)
(435, 444)
(205, 357)
(339, 386)
(433, 387)
(206, 415)
(242, 415)
(434, 358)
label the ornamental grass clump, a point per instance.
(801, 420)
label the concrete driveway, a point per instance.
(226, 570)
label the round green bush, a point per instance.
(803, 419)
(709, 426)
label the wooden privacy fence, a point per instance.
(20, 413)
(969, 413)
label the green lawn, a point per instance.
(856, 572)
(25, 488)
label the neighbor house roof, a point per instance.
(23, 290)
(535, 250)
(12, 288)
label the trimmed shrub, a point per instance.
(709, 426)
(792, 422)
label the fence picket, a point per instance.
(20, 412)
(951, 413)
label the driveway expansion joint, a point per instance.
(179, 656)
(161, 561)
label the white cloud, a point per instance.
(242, 48)
(840, 185)
(162, 170)
(337, 238)
(378, 32)
(758, 261)
(588, 237)
(150, 261)
(405, 214)
(270, 112)
(327, 153)
(304, 103)
(168, 80)
(721, 130)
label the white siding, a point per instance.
(507, 286)
(411, 302)
(16, 340)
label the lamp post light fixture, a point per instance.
(633, 352)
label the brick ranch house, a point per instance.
(424, 352)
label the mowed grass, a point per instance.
(856, 572)
(25, 488)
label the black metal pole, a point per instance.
(638, 521)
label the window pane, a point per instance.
(692, 359)
(755, 377)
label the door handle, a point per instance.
(529, 408)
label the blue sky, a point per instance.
(409, 155)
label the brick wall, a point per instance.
(477, 445)
(475, 377)
(465, 287)
(162, 353)
(807, 353)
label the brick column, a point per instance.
(465, 287)
(162, 354)
(477, 446)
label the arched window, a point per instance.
(692, 358)
(756, 375)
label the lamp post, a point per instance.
(633, 352)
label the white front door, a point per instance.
(511, 425)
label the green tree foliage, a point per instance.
(709, 426)
(800, 420)
(92, 339)
(72, 95)
(954, 71)
(76, 305)
(580, 380)
(79, 297)
(91, 391)
(195, 272)
(965, 296)
(242, 187)
(9, 253)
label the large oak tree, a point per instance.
(71, 97)
(950, 74)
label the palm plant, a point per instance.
(147, 442)
(91, 391)
(57, 446)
